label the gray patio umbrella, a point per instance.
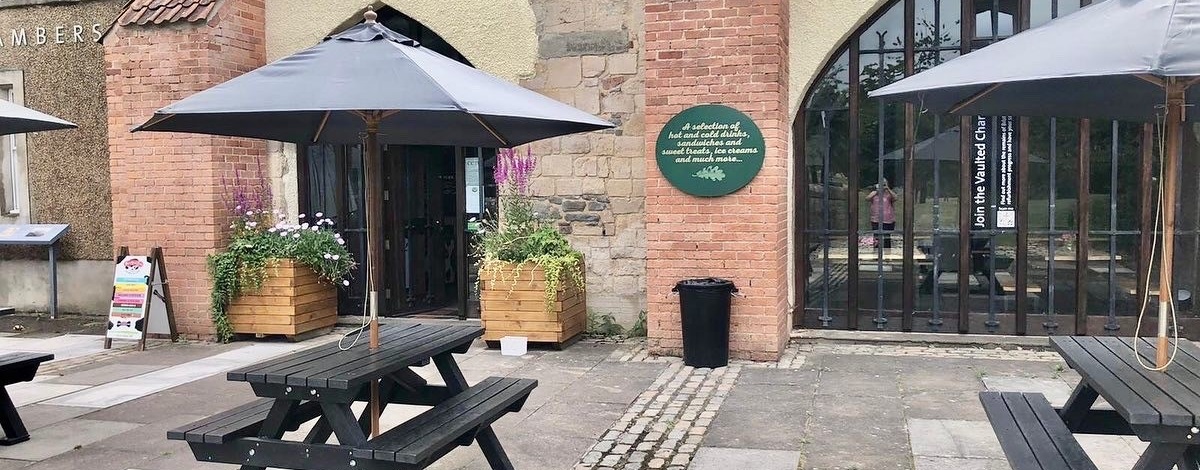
(17, 119)
(371, 84)
(1119, 59)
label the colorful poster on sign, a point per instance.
(131, 297)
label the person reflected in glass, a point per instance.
(883, 211)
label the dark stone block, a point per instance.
(575, 217)
(597, 206)
(564, 229)
(584, 43)
(573, 206)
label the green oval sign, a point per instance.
(710, 150)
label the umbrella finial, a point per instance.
(370, 16)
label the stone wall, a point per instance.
(167, 188)
(590, 56)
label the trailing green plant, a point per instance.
(257, 244)
(518, 237)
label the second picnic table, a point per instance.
(1160, 408)
(322, 382)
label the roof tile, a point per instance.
(143, 12)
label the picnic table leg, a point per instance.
(272, 427)
(344, 425)
(1077, 407)
(1161, 456)
(1191, 459)
(10, 421)
(486, 438)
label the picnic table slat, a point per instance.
(331, 355)
(277, 373)
(1016, 448)
(1168, 384)
(1062, 437)
(334, 359)
(1035, 434)
(1120, 395)
(255, 372)
(385, 362)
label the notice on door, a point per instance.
(131, 297)
(993, 170)
(710, 150)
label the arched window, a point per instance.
(915, 221)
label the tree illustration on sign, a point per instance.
(714, 173)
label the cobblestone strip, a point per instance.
(943, 352)
(665, 424)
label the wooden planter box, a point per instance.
(292, 302)
(517, 307)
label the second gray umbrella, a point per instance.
(17, 119)
(1119, 59)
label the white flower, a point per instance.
(341, 242)
(249, 213)
(327, 256)
(336, 257)
(304, 226)
(301, 216)
(319, 215)
(252, 224)
(345, 283)
(296, 236)
(315, 228)
(272, 229)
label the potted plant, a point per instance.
(531, 280)
(276, 277)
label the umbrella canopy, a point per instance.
(1090, 64)
(1119, 59)
(318, 96)
(945, 147)
(17, 119)
(372, 84)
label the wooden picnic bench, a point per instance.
(16, 367)
(321, 383)
(1161, 408)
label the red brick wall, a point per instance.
(731, 52)
(167, 188)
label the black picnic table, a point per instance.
(1160, 408)
(16, 367)
(322, 382)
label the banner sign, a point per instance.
(710, 150)
(993, 168)
(131, 298)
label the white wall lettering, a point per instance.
(63, 34)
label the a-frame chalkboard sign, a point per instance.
(141, 299)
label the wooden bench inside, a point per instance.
(454, 422)
(1009, 284)
(243, 421)
(1032, 434)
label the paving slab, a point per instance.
(150, 439)
(959, 463)
(953, 438)
(181, 459)
(1056, 391)
(121, 391)
(961, 404)
(589, 420)
(39, 416)
(721, 458)
(93, 459)
(791, 377)
(104, 374)
(27, 393)
(762, 429)
(857, 432)
(63, 346)
(6, 464)
(64, 437)
(1112, 452)
(855, 384)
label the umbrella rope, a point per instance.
(1160, 121)
(358, 332)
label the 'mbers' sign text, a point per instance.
(49, 35)
(710, 150)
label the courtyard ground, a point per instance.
(827, 404)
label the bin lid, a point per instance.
(705, 283)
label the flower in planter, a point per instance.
(521, 236)
(259, 237)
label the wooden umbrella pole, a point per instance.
(372, 169)
(1174, 132)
